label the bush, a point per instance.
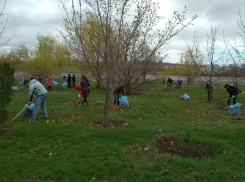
(6, 83)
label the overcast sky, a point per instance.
(31, 17)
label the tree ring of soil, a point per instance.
(109, 124)
(176, 146)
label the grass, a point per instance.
(67, 149)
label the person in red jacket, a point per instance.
(50, 83)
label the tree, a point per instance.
(17, 56)
(187, 68)
(208, 62)
(124, 37)
(4, 25)
(6, 82)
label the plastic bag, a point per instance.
(65, 85)
(124, 101)
(185, 97)
(28, 111)
(235, 109)
(15, 89)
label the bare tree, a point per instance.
(125, 33)
(4, 25)
(236, 54)
(214, 56)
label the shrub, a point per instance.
(6, 83)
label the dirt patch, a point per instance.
(113, 107)
(143, 89)
(109, 124)
(177, 96)
(196, 98)
(176, 146)
(167, 90)
(4, 133)
(223, 106)
(74, 102)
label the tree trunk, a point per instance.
(107, 100)
(98, 80)
(128, 87)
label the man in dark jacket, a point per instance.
(73, 80)
(69, 81)
(117, 92)
(233, 91)
(169, 83)
(39, 90)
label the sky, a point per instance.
(31, 17)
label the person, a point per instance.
(37, 89)
(209, 90)
(32, 77)
(179, 82)
(84, 90)
(117, 92)
(85, 100)
(69, 81)
(50, 83)
(40, 79)
(36, 77)
(73, 80)
(169, 83)
(233, 93)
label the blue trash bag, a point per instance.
(23, 81)
(15, 89)
(57, 83)
(65, 85)
(124, 101)
(28, 111)
(235, 109)
(185, 97)
(152, 88)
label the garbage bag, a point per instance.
(235, 109)
(57, 83)
(185, 97)
(28, 111)
(65, 85)
(15, 89)
(124, 101)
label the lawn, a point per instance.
(159, 138)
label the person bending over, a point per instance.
(233, 93)
(36, 88)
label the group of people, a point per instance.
(70, 79)
(170, 82)
(36, 88)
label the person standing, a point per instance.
(50, 83)
(209, 90)
(69, 81)
(116, 93)
(179, 82)
(73, 80)
(233, 93)
(84, 85)
(37, 89)
(169, 83)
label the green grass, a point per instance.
(126, 153)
